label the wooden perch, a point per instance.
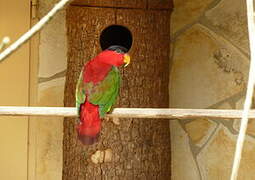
(127, 112)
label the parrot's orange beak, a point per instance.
(126, 60)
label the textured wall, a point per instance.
(209, 70)
(51, 81)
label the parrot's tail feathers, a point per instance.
(90, 123)
(88, 140)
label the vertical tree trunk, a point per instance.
(140, 147)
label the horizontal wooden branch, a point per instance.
(127, 112)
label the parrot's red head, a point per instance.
(115, 56)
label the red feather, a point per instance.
(97, 69)
(90, 123)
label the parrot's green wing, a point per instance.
(105, 92)
(80, 92)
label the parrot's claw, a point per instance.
(106, 119)
(116, 121)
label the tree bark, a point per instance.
(140, 4)
(140, 148)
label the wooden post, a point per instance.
(140, 147)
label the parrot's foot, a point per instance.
(106, 119)
(116, 121)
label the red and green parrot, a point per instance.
(97, 90)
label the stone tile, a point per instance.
(45, 6)
(51, 93)
(229, 19)
(199, 130)
(250, 127)
(215, 160)
(49, 148)
(186, 12)
(183, 164)
(53, 43)
(240, 103)
(205, 69)
(49, 132)
(224, 106)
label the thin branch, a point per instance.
(249, 93)
(33, 30)
(127, 112)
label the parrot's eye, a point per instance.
(118, 51)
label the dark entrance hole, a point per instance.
(116, 35)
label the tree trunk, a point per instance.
(140, 147)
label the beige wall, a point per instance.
(209, 70)
(14, 91)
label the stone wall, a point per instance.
(209, 68)
(51, 82)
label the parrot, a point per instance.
(97, 89)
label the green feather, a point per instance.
(103, 93)
(80, 92)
